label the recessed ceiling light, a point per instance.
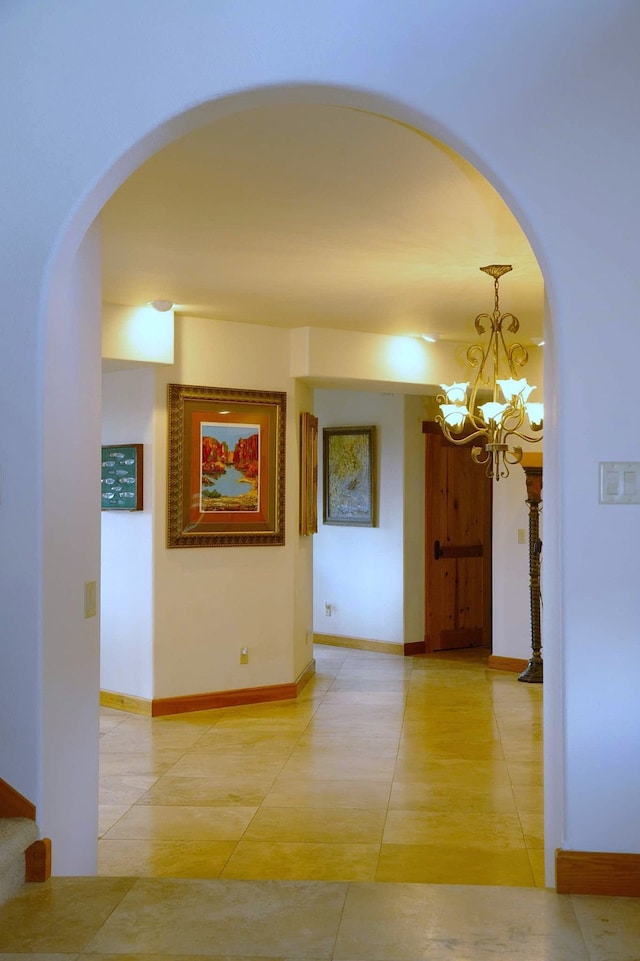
(161, 305)
(429, 338)
(538, 341)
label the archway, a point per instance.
(158, 114)
(286, 94)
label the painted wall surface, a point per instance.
(511, 601)
(182, 616)
(127, 623)
(562, 150)
(364, 360)
(137, 334)
(360, 570)
(71, 546)
(303, 562)
(210, 602)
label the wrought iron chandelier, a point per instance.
(510, 413)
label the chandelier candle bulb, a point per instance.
(455, 415)
(493, 411)
(535, 413)
(514, 389)
(492, 425)
(456, 393)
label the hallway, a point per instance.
(420, 769)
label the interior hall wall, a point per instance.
(71, 636)
(304, 550)
(126, 625)
(210, 602)
(511, 605)
(359, 570)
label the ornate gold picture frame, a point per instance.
(226, 485)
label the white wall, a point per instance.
(137, 334)
(562, 149)
(173, 621)
(511, 600)
(70, 662)
(303, 564)
(360, 570)
(380, 597)
(127, 622)
(210, 602)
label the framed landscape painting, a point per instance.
(349, 467)
(226, 467)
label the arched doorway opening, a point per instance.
(68, 244)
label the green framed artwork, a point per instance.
(349, 471)
(122, 477)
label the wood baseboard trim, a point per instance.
(13, 804)
(126, 702)
(498, 663)
(412, 648)
(187, 703)
(359, 644)
(37, 861)
(305, 676)
(595, 872)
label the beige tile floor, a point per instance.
(125, 919)
(424, 769)
(384, 769)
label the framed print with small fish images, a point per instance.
(349, 469)
(122, 477)
(226, 467)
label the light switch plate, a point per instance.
(619, 482)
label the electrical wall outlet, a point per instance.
(244, 655)
(327, 609)
(521, 535)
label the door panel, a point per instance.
(458, 547)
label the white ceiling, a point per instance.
(299, 216)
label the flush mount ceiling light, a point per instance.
(495, 423)
(162, 305)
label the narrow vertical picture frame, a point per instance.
(349, 476)
(121, 477)
(308, 474)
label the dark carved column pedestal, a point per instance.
(533, 672)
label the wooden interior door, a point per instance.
(458, 506)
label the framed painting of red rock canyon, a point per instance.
(226, 484)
